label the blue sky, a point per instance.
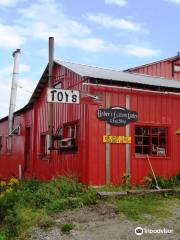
(109, 33)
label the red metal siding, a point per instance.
(153, 110)
(89, 162)
(160, 69)
(72, 163)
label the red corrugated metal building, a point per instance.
(168, 68)
(122, 118)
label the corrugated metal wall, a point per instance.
(89, 162)
(74, 163)
(153, 110)
(159, 69)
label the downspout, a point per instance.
(50, 105)
(16, 55)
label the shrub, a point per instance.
(2, 235)
(163, 182)
(8, 215)
(57, 205)
(12, 221)
(67, 227)
(30, 185)
(7, 204)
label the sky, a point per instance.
(114, 34)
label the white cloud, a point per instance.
(118, 23)
(119, 3)
(66, 31)
(10, 36)
(10, 3)
(34, 24)
(141, 51)
(173, 1)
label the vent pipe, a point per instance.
(16, 56)
(50, 78)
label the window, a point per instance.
(151, 140)
(44, 144)
(69, 137)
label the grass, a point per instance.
(67, 227)
(145, 209)
(34, 203)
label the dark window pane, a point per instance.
(146, 150)
(162, 141)
(146, 131)
(138, 140)
(138, 131)
(162, 131)
(154, 149)
(155, 140)
(138, 149)
(154, 131)
(146, 140)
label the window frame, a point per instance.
(66, 135)
(44, 152)
(151, 126)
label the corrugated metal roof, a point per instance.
(115, 75)
(170, 59)
(104, 74)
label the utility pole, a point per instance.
(50, 78)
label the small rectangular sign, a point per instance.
(116, 139)
(62, 96)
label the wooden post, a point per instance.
(108, 157)
(127, 130)
(50, 77)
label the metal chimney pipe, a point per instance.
(50, 78)
(16, 55)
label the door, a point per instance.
(27, 149)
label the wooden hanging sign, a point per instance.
(118, 116)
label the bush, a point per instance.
(31, 185)
(2, 235)
(163, 182)
(12, 221)
(67, 227)
(57, 205)
(7, 204)
(8, 215)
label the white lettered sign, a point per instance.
(62, 96)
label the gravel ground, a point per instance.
(101, 222)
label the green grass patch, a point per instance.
(46, 222)
(145, 209)
(67, 227)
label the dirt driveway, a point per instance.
(102, 222)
